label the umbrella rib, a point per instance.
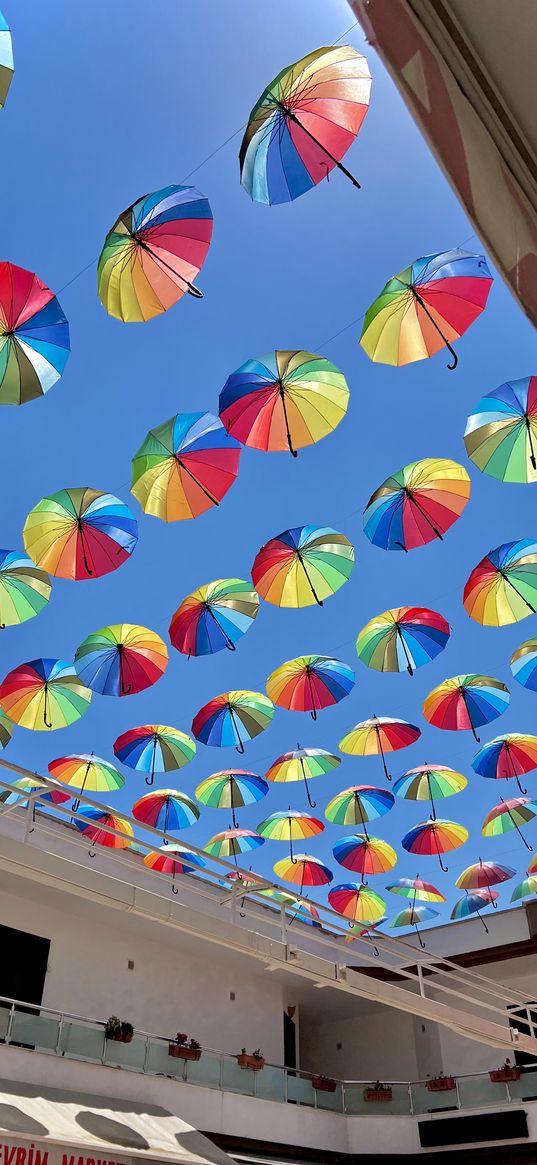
(381, 750)
(191, 287)
(517, 592)
(436, 532)
(195, 480)
(229, 642)
(293, 117)
(312, 588)
(407, 657)
(423, 305)
(465, 701)
(281, 391)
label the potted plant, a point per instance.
(254, 1060)
(440, 1083)
(184, 1048)
(324, 1084)
(378, 1093)
(508, 1071)
(118, 1030)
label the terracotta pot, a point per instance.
(377, 1095)
(120, 1037)
(246, 1061)
(183, 1052)
(440, 1084)
(324, 1084)
(501, 1075)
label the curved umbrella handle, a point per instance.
(174, 889)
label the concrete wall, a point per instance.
(377, 1045)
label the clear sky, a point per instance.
(110, 103)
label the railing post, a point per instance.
(314, 1095)
(343, 1096)
(60, 1033)
(10, 1023)
(146, 1053)
(508, 1093)
(285, 1085)
(420, 980)
(459, 1105)
(221, 1076)
(410, 1099)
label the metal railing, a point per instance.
(76, 1037)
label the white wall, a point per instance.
(378, 1045)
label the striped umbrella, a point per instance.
(359, 804)
(80, 533)
(231, 789)
(232, 719)
(310, 683)
(482, 875)
(501, 432)
(24, 588)
(417, 504)
(510, 815)
(411, 915)
(166, 809)
(24, 786)
(427, 782)
(466, 702)
(154, 748)
(474, 904)
(34, 333)
(403, 638)
(357, 930)
(283, 401)
(44, 694)
(100, 820)
(173, 859)
(524, 664)
(416, 889)
(87, 773)
(303, 566)
(525, 888)
(184, 467)
(231, 842)
(435, 837)
(502, 588)
(532, 868)
(6, 60)
(357, 903)
(290, 825)
(303, 870)
(365, 855)
(302, 765)
(510, 755)
(377, 736)
(214, 616)
(305, 911)
(121, 660)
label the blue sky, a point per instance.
(106, 106)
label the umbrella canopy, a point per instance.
(524, 889)
(532, 868)
(305, 911)
(34, 334)
(310, 683)
(232, 842)
(502, 588)
(429, 783)
(304, 123)
(303, 870)
(24, 786)
(501, 432)
(510, 755)
(357, 930)
(6, 728)
(86, 772)
(303, 566)
(435, 837)
(24, 588)
(214, 616)
(359, 804)
(481, 875)
(166, 809)
(510, 815)
(44, 694)
(365, 855)
(231, 789)
(173, 859)
(416, 889)
(404, 638)
(417, 504)
(466, 702)
(426, 307)
(154, 748)
(184, 467)
(232, 719)
(473, 904)
(411, 915)
(357, 902)
(97, 829)
(6, 60)
(283, 401)
(80, 533)
(290, 825)
(524, 664)
(378, 735)
(121, 660)
(153, 253)
(302, 765)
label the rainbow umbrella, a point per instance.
(303, 870)
(232, 719)
(44, 694)
(214, 616)
(501, 432)
(80, 533)
(359, 804)
(357, 930)
(173, 859)
(34, 334)
(411, 915)
(24, 588)
(6, 60)
(305, 911)
(425, 307)
(303, 566)
(502, 588)
(429, 782)
(365, 855)
(304, 123)
(417, 504)
(166, 809)
(532, 868)
(231, 789)
(302, 765)
(24, 786)
(232, 842)
(435, 837)
(510, 755)
(482, 875)
(377, 736)
(416, 889)
(6, 728)
(310, 683)
(357, 903)
(290, 825)
(184, 466)
(154, 748)
(524, 664)
(466, 702)
(524, 889)
(283, 401)
(153, 253)
(121, 660)
(510, 815)
(86, 772)
(405, 637)
(97, 828)
(474, 904)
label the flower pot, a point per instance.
(253, 1062)
(183, 1052)
(502, 1075)
(119, 1037)
(377, 1095)
(440, 1084)
(324, 1084)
